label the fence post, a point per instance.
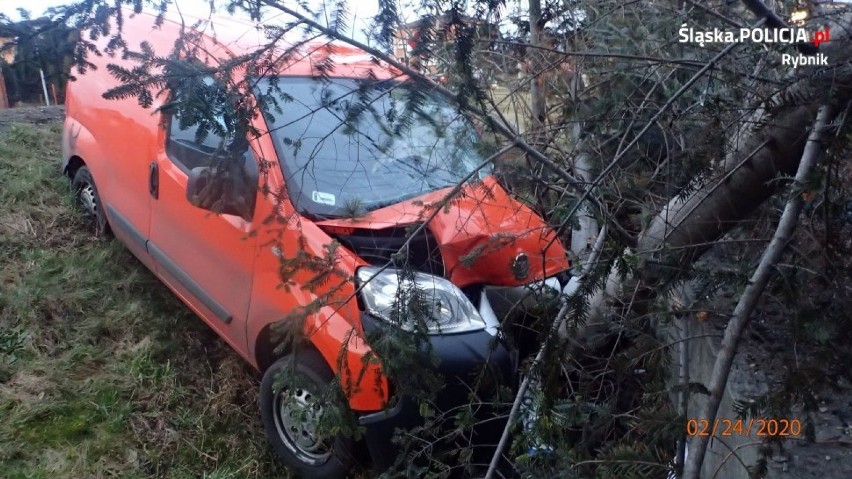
(44, 87)
(4, 97)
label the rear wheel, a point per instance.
(87, 198)
(291, 409)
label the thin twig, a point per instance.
(757, 283)
(665, 108)
(525, 384)
(434, 86)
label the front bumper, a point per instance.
(380, 428)
(465, 358)
(468, 361)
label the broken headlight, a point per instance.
(412, 299)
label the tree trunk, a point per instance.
(686, 226)
(771, 143)
(538, 102)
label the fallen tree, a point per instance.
(615, 183)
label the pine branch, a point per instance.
(753, 291)
(420, 78)
(525, 384)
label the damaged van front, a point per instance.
(400, 178)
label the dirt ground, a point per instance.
(33, 115)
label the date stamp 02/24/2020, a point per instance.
(754, 427)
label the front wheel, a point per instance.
(291, 409)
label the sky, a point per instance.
(38, 7)
(35, 7)
(362, 10)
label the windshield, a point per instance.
(347, 148)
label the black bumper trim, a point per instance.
(375, 417)
(190, 284)
(461, 354)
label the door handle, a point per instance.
(154, 180)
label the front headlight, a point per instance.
(402, 298)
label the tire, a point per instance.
(311, 457)
(87, 199)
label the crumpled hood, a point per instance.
(485, 236)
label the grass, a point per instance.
(103, 372)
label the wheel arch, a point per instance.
(79, 148)
(267, 351)
(344, 350)
(74, 163)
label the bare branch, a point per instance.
(754, 289)
(420, 78)
(525, 384)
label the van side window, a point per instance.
(184, 146)
(186, 151)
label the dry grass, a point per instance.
(103, 373)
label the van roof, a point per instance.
(240, 36)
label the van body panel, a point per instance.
(188, 297)
(209, 257)
(71, 130)
(132, 238)
(117, 141)
(78, 140)
(479, 237)
(332, 329)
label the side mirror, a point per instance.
(228, 191)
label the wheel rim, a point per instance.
(297, 415)
(88, 201)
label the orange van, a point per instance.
(145, 175)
